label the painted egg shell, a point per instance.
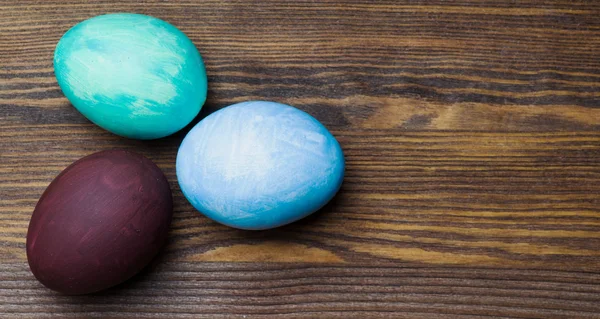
(99, 222)
(259, 165)
(134, 75)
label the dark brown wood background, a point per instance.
(472, 137)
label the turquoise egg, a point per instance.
(134, 75)
(259, 165)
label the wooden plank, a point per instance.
(289, 290)
(471, 131)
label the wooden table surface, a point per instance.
(471, 131)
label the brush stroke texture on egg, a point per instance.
(134, 75)
(259, 165)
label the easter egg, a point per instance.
(134, 75)
(259, 165)
(99, 222)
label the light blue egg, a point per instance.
(259, 165)
(134, 75)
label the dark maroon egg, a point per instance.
(99, 222)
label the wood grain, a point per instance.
(471, 131)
